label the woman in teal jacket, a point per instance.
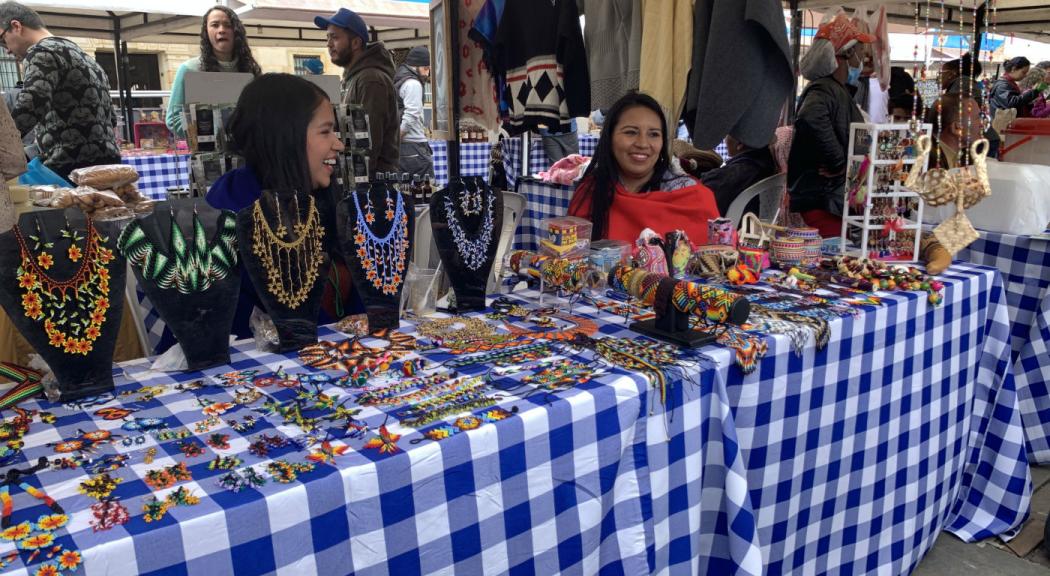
(224, 48)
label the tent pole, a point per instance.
(796, 51)
(453, 122)
(120, 66)
(978, 29)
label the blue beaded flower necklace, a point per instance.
(382, 258)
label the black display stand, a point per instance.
(78, 375)
(201, 321)
(673, 326)
(383, 310)
(469, 285)
(295, 327)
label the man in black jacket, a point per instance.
(817, 163)
(65, 96)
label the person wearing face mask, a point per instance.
(65, 96)
(1007, 94)
(631, 183)
(368, 81)
(293, 152)
(817, 163)
(416, 156)
(224, 48)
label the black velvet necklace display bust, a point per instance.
(200, 311)
(383, 307)
(79, 348)
(296, 325)
(466, 243)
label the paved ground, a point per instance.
(1022, 556)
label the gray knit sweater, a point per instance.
(613, 35)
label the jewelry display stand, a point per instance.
(882, 217)
(286, 262)
(467, 218)
(62, 285)
(184, 256)
(376, 224)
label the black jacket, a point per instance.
(369, 82)
(1006, 94)
(738, 174)
(821, 142)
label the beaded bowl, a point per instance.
(789, 251)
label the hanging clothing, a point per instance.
(483, 31)
(539, 45)
(667, 52)
(478, 98)
(742, 75)
(613, 36)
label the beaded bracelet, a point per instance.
(449, 410)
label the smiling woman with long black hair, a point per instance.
(631, 185)
(290, 152)
(224, 48)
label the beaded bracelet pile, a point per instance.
(465, 423)
(380, 396)
(507, 357)
(560, 374)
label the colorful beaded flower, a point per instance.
(72, 310)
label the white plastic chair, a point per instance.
(137, 311)
(514, 206)
(769, 192)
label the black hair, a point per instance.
(905, 101)
(603, 171)
(245, 61)
(27, 16)
(269, 127)
(1045, 65)
(964, 66)
(1016, 63)
(901, 82)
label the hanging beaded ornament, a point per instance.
(473, 247)
(189, 269)
(383, 259)
(291, 266)
(73, 310)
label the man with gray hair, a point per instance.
(65, 94)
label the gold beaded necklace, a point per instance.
(291, 266)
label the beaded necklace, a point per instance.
(355, 358)
(472, 247)
(383, 258)
(291, 267)
(72, 321)
(189, 270)
(380, 395)
(429, 394)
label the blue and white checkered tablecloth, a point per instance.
(1025, 265)
(538, 160)
(543, 200)
(907, 423)
(473, 160)
(159, 172)
(578, 482)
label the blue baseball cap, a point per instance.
(345, 18)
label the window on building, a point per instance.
(307, 64)
(10, 74)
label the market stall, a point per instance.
(738, 473)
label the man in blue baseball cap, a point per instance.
(368, 82)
